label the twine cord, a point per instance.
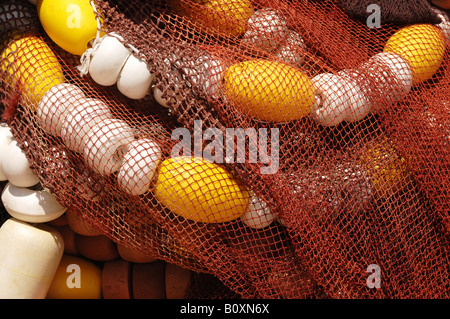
(86, 57)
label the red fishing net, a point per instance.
(339, 150)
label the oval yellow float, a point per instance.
(220, 17)
(32, 67)
(269, 90)
(422, 46)
(199, 190)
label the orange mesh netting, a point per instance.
(345, 161)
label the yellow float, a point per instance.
(269, 90)
(71, 24)
(199, 190)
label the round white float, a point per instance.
(390, 75)
(108, 60)
(258, 214)
(139, 165)
(17, 167)
(30, 205)
(80, 119)
(293, 50)
(266, 29)
(135, 78)
(6, 138)
(338, 99)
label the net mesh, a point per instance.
(354, 187)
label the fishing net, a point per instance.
(343, 192)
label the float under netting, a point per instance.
(283, 147)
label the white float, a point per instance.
(17, 167)
(390, 75)
(29, 255)
(31, 205)
(157, 94)
(338, 99)
(135, 78)
(139, 166)
(80, 119)
(293, 50)
(360, 106)
(266, 28)
(258, 214)
(53, 106)
(214, 69)
(106, 144)
(107, 60)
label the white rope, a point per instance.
(86, 57)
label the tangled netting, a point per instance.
(347, 197)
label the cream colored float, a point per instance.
(30, 255)
(139, 166)
(108, 59)
(266, 29)
(6, 138)
(55, 103)
(32, 205)
(338, 99)
(135, 78)
(17, 167)
(258, 214)
(106, 143)
(80, 119)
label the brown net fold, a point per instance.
(342, 179)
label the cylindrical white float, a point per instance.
(29, 255)
(53, 106)
(135, 78)
(106, 143)
(108, 60)
(139, 165)
(80, 119)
